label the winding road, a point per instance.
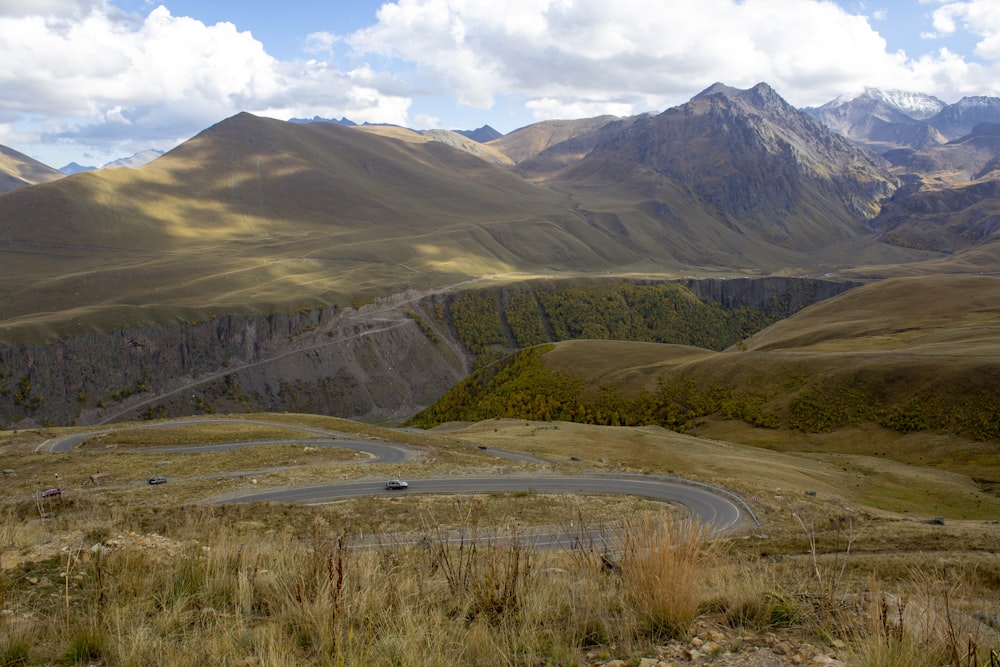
(707, 507)
(713, 507)
(380, 451)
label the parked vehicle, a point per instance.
(158, 480)
(396, 484)
(49, 493)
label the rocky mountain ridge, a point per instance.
(745, 160)
(885, 120)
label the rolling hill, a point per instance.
(906, 354)
(255, 214)
(17, 170)
(265, 245)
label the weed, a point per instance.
(663, 568)
(85, 645)
(14, 652)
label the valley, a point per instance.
(747, 348)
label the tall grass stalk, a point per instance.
(664, 573)
(931, 625)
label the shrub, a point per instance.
(663, 569)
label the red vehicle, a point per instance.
(49, 493)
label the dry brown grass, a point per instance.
(663, 569)
(777, 477)
(209, 585)
(186, 582)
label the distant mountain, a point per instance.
(529, 141)
(470, 145)
(918, 106)
(944, 219)
(134, 161)
(890, 120)
(317, 119)
(585, 139)
(958, 119)
(482, 134)
(742, 167)
(968, 158)
(883, 120)
(75, 168)
(18, 170)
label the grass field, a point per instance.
(175, 579)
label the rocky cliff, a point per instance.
(383, 362)
(365, 365)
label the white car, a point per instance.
(396, 484)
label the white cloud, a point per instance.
(321, 42)
(567, 55)
(107, 79)
(426, 121)
(49, 8)
(103, 77)
(563, 108)
(978, 17)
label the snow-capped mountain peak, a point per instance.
(918, 106)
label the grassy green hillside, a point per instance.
(493, 322)
(907, 355)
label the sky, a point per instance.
(94, 80)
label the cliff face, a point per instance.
(379, 363)
(780, 297)
(351, 365)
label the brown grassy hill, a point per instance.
(255, 212)
(529, 141)
(907, 355)
(18, 170)
(954, 315)
(256, 215)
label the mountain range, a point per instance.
(132, 162)
(256, 217)
(896, 119)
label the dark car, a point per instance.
(49, 493)
(158, 480)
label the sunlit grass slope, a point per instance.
(18, 170)
(906, 357)
(260, 214)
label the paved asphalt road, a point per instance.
(710, 507)
(381, 451)
(706, 506)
